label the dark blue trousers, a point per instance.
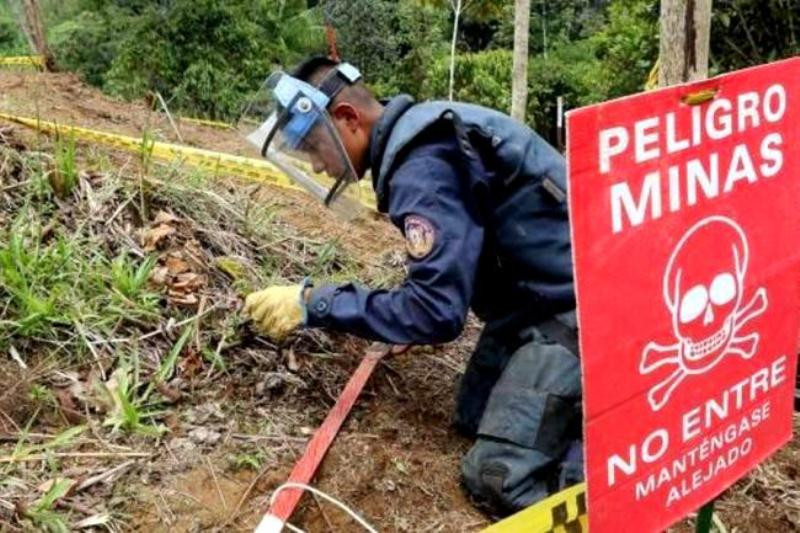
(520, 398)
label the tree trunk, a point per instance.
(456, 15)
(544, 29)
(685, 34)
(34, 31)
(519, 75)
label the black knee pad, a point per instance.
(505, 477)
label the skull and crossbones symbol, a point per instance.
(703, 290)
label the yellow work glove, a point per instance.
(278, 310)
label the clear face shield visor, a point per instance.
(288, 122)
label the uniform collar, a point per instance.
(379, 136)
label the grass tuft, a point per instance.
(64, 178)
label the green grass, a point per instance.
(250, 461)
(42, 513)
(131, 412)
(62, 284)
(167, 368)
(64, 439)
(146, 150)
(130, 279)
(64, 178)
(34, 277)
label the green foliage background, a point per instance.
(206, 56)
(12, 42)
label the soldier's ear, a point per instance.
(348, 114)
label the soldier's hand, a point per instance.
(276, 311)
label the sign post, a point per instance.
(704, 518)
(686, 237)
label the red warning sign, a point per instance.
(686, 236)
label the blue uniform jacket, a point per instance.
(502, 250)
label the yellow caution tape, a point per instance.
(700, 97)
(218, 162)
(564, 512)
(36, 61)
(206, 122)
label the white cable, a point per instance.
(293, 528)
(340, 505)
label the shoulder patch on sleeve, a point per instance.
(420, 236)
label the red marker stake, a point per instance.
(286, 502)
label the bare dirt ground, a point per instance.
(234, 433)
